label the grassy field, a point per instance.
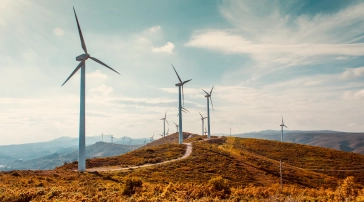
(228, 168)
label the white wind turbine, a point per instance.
(180, 85)
(203, 121)
(151, 139)
(282, 129)
(164, 123)
(208, 95)
(82, 65)
(176, 126)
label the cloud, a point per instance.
(102, 89)
(58, 31)
(155, 29)
(271, 37)
(168, 48)
(351, 73)
(97, 76)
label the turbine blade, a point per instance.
(211, 90)
(200, 115)
(186, 81)
(80, 33)
(165, 115)
(285, 126)
(74, 71)
(175, 123)
(205, 92)
(98, 61)
(177, 74)
(212, 104)
(185, 109)
(167, 122)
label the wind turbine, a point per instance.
(112, 138)
(208, 95)
(176, 126)
(151, 139)
(82, 65)
(164, 123)
(282, 129)
(123, 139)
(130, 143)
(205, 130)
(203, 121)
(102, 137)
(180, 85)
(145, 141)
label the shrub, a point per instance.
(220, 184)
(130, 185)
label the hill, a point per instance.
(99, 149)
(350, 142)
(226, 168)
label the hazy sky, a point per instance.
(302, 59)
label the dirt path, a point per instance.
(104, 169)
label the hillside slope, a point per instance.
(236, 169)
(343, 141)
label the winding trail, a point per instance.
(104, 169)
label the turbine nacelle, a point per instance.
(84, 56)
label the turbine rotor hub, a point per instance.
(84, 56)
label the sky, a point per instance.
(302, 59)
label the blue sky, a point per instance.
(301, 59)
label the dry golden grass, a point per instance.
(231, 169)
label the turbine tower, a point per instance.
(176, 126)
(123, 139)
(180, 85)
(82, 65)
(203, 121)
(164, 123)
(208, 95)
(112, 138)
(282, 129)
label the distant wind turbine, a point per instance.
(282, 129)
(123, 139)
(205, 130)
(145, 141)
(176, 126)
(112, 138)
(203, 121)
(208, 95)
(102, 137)
(130, 143)
(164, 123)
(82, 65)
(180, 85)
(151, 139)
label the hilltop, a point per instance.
(224, 168)
(343, 141)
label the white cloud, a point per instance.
(97, 76)
(271, 37)
(58, 31)
(102, 89)
(155, 29)
(168, 48)
(351, 73)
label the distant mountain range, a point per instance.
(344, 141)
(99, 149)
(49, 154)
